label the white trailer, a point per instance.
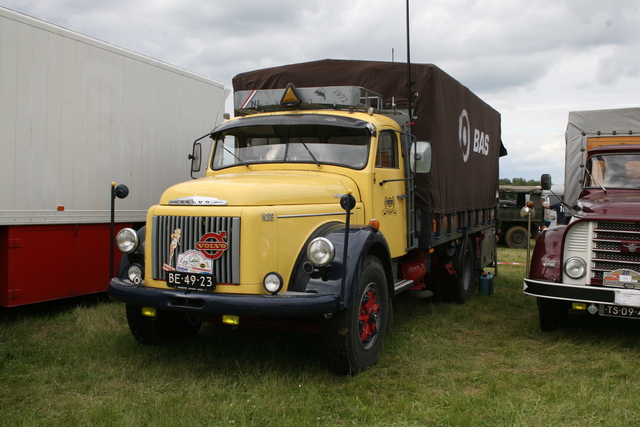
(77, 114)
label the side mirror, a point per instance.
(196, 158)
(121, 191)
(545, 181)
(420, 157)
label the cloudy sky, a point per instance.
(533, 61)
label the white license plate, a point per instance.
(191, 281)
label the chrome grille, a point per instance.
(226, 268)
(578, 237)
(608, 241)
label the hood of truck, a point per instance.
(261, 188)
(617, 205)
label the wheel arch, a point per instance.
(381, 252)
(548, 252)
(363, 241)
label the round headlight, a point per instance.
(575, 267)
(320, 251)
(272, 283)
(135, 273)
(127, 240)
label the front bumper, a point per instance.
(591, 294)
(286, 304)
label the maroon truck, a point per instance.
(593, 263)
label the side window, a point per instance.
(387, 155)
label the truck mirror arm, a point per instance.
(399, 179)
(545, 184)
(196, 155)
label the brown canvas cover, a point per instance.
(447, 114)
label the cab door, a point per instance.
(389, 192)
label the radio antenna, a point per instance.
(410, 98)
(393, 85)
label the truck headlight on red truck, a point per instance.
(321, 252)
(127, 240)
(575, 267)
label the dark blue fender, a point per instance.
(363, 241)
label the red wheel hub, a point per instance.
(368, 318)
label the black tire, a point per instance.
(553, 314)
(465, 280)
(355, 335)
(516, 237)
(166, 327)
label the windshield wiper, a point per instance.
(234, 156)
(595, 182)
(310, 153)
(289, 129)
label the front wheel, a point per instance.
(553, 313)
(165, 327)
(355, 335)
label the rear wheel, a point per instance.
(464, 268)
(355, 335)
(165, 327)
(553, 314)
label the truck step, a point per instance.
(420, 294)
(401, 286)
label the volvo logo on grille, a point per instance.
(213, 245)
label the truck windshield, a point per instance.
(291, 143)
(614, 171)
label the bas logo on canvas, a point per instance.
(480, 139)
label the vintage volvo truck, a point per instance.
(593, 263)
(322, 200)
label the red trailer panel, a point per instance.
(48, 262)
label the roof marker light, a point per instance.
(290, 98)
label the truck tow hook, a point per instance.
(450, 269)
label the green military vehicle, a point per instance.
(512, 227)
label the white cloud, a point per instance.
(534, 61)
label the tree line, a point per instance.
(518, 181)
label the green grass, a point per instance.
(483, 363)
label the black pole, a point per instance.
(410, 98)
(121, 191)
(347, 202)
(113, 220)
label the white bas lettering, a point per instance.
(480, 142)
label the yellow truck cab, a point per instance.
(307, 215)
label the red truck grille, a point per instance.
(616, 246)
(226, 265)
